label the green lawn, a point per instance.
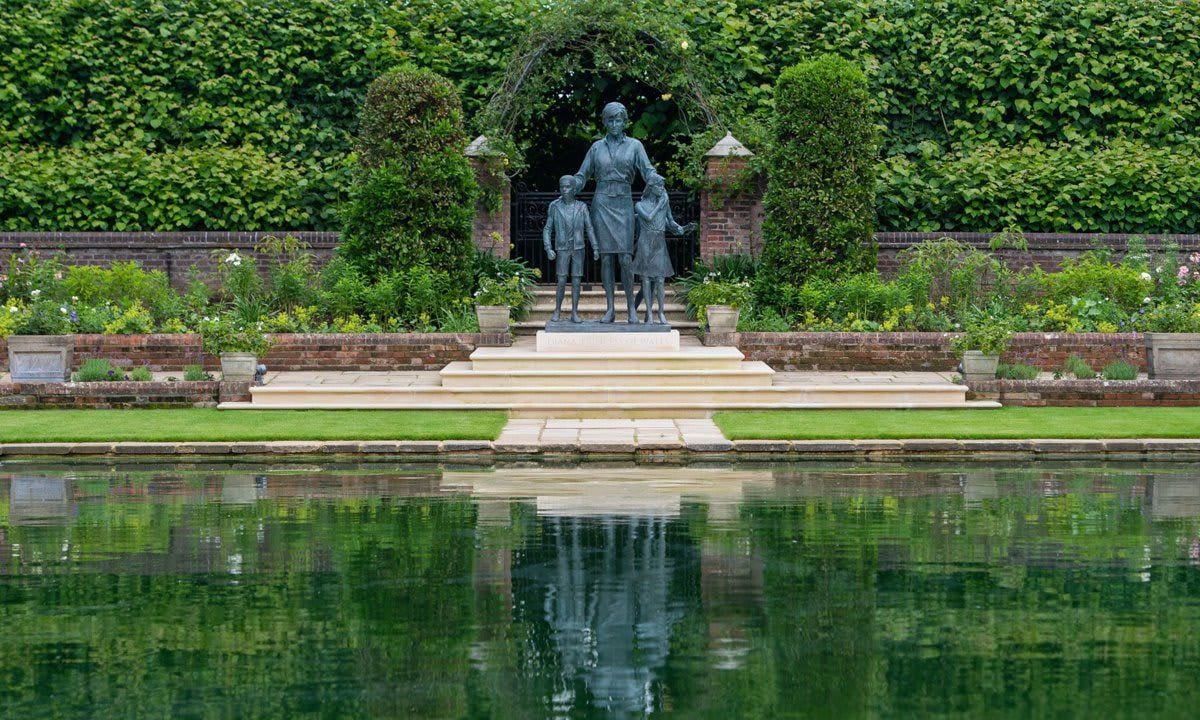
(1009, 422)
(225, 425)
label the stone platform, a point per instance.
(608, 377)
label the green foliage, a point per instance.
(510, 291)
(229, 333)
(820, 198)
(97, 370)
(141, 374)
(134, 320)
(194, 373)
(715, 291)
(1078, 367)
(1118, 185)
(985, 330)
(949, 273)
(414, 194)
(292, 277)
(41, 317)
(1119, 370)
(1016, 371)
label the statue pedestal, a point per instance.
(595, 326)
(582, 341)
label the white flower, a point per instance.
(1145, 300)
(1146, 276)
(13, 308)
(74, 298)
(62, 309)
(35, 293)
(234, 259)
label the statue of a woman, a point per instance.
(614, 161)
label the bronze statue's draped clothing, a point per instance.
(614, 166)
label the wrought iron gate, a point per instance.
(529, 210)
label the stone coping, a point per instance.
(1183, 449)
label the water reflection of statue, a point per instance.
(614, 161)
(608, 604)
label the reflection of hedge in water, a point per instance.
(875, 591)
(276, 83)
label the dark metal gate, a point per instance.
(529, 211)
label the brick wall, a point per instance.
(412, 351)
(154, 394)
(1089, 393)
(492, 231)
(927, 351)
(730, 222)
(172, 252)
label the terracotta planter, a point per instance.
(721, 318)
(979, 367)
(1173, 355)
(40, 358)
(492, 318)
(238, 365)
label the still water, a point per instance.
(589, 592)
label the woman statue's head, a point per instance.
(614, 117)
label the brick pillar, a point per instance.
(492, 231)
(730, 222)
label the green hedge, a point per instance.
(414, 196)
(286, 77)
(820, 198)
(1119, 186)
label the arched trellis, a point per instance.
(610, 39)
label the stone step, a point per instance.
(589, 396)
(748, 374)
(696, 359)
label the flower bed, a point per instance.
(1089, 393)
(122, 394)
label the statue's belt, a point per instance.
(614, 188)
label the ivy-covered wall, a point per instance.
(1053, 115)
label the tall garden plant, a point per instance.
(413, 200)
(820, 199)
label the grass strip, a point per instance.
(1004, 423)
(211, 425)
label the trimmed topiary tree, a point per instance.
(413, 200)
(820, 198)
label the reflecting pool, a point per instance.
(753, 591)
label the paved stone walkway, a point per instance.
(611, 435)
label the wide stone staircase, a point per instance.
(652, 374)
(591, 307)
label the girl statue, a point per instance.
(652, 262)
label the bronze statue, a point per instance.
(653, 262)
(614, 161)
(567, 222)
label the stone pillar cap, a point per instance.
(728, 147)
(479, 148)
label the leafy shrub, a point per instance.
(463, 320)
(292, 278)
(227, 333)
(736, 294)
(1016, 371)
(41, 317)
(508, 291)
(134, 320)
(1119, 370)
(764, 319)
(1078, 367)
(1092, 274)
(193, 373)
(413, 201)
(820, 197)
(1179, 317)
(985, 330)
(97, 370)
(948, 272)
(141, 374)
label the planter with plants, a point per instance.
(499, 299)
(238, 343)
(981, 342)
(717, 303)
(40, 347)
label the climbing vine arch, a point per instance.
(583, 54)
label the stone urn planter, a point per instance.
(721, 318)
(238, 365)
(1173, 355)
(40, 358)
(492, 318)
(978, 367)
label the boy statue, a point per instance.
(567, 221)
